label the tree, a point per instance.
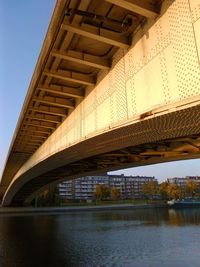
(163, 191)
(49, 197)
(115, 193)
(150, 188)
(197, 192)
(173, 191)
(102, 192)
(191, 188)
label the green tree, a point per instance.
(115, 193)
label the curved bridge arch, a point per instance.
(156, 139)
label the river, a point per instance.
(140, 238)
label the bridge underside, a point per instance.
(116, 85)
(82, 38)
(171, 136)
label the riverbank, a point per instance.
(26, 210)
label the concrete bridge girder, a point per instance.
(148, 146)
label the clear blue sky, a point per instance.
(23, 25)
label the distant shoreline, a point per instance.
(40, 210)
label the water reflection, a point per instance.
(30, 241)
(119, 238)
(155, 216)
(184, 216)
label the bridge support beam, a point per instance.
(98, 34)
(142, 7)
(82, 58)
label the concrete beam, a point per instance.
(140, 7)
(102, 35)
(29, 146)
(43, 117)
(63, 91)
(32, 129)
(82, 58)
(55, 101)
(30, 134)
(29, 142)
(31, 137)
(25, 153)
(39, 124)
(50, 110)
(71, 76)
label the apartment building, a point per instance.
(181, 181)
(84, 188)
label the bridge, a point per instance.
(116, 85)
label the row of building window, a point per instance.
(129, 186)
(85, 187)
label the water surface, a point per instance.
(140, 238)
